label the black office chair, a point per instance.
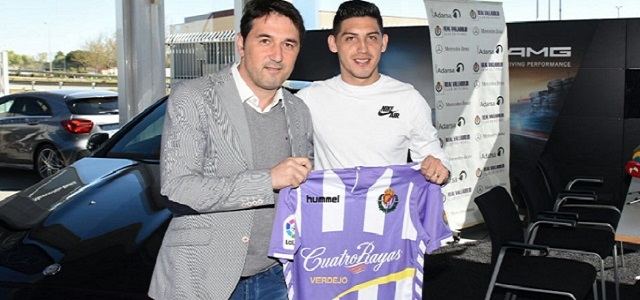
(589, 205)
(524, 269)
(596, 206)
(594, 239)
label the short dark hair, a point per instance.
(355, 8)
(255, 9)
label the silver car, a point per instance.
(48, 130)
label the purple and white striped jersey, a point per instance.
(358, 233)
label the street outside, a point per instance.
(12, 181)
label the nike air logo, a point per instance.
(388, 111)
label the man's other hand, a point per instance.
(291, 172)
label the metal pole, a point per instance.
(49, 53)
(549, 10)
(560, 10)
(618, 7)
(4, 73)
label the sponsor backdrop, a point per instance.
(471, 87)
(574, 94)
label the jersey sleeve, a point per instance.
(283, 235)
(432, 218)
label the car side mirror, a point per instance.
(96, 140)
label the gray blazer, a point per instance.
(207, 173)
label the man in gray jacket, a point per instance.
(231, 140)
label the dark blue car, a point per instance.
(93, 229)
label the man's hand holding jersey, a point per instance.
(291, 172)
(433, 170)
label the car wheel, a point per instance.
(48, 161)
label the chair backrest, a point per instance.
(552, 180)
(530, 185)
(501, 217)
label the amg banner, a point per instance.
(471, 87)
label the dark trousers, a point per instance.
(269, 284)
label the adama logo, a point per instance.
(440, 15)
(499, 101)
(444, 70)
(498, 153)
(485, 51)
(461, 122)
(462, 176)
(497, 50)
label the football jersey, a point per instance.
(358, 233)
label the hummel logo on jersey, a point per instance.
(323, 199)
(388, 110)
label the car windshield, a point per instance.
(142, 141)
(93, 106)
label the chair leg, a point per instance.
(494, 275)
(615, 272)
(621, 254)
(602, 279)
(595, 290)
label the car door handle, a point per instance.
(32, 122)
